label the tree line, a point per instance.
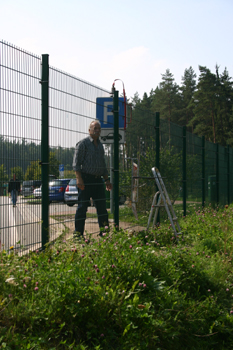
(23, 159)
(204, 106)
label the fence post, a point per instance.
(184, 170)
(157, 150)
(157, 140)
(217, 173)
(116, 156)
(228, 175)
(203, 170)
(45, 148)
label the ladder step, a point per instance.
(164, 201)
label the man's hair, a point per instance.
(94, 121)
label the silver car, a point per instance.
(29, 186)
(71, 193)
(37, 193)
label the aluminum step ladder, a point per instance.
(163, 201)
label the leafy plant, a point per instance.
(141, 290)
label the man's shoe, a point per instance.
(77, 236)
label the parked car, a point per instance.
(71, 193)
(57, 189)
(29, 186)
(110, 137)
(37, 193)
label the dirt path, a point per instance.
(92, 227)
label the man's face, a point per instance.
(95, 130)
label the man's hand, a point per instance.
(79, 181)
(108, 185)
(80, 184)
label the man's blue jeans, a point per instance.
(14, 196)
(94, 187)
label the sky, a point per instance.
(132, 40)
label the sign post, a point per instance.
(110, 112)
(116, 157)
(61, 171)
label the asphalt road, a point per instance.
(21, 225)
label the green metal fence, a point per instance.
(195, 172)
(20, 135)
(45, 112)
(72, 106)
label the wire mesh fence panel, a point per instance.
(230, 175)
(194, 168)
(210, 173)
(187, 167)
(137, 157)
(72, 107)
(223, 178)
(20, 129)
(171, 164)
(171, 159)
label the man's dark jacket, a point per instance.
(13, 185)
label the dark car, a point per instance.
(110, 136)
(71, 193)
(29, 186)
(57, 189)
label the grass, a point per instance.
(126, 214)
(141, 291)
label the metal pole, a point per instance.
(157, 150)
(228, 174)
(116, 157)
(217, 173)
(203, 170)
(184, 170)
(157, 140)
(111, 177)
(45, 148)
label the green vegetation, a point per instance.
(126, 291)
(3, 174)
(204, 106)
(33, 171)
(22, 158)
(126, 214)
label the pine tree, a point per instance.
(204, 105)
(166, 99)
(187, 89)
(225, 108)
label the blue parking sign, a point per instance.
(61, 167)
(104, 112)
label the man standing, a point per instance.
(89, 166)
(13, 189)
